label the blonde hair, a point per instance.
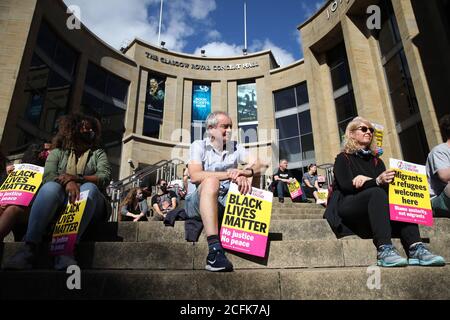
(349, 144)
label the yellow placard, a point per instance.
(409, 189)
(70, 219)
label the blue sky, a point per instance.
(191, 25)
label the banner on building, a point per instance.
(154, 103)
(295, 189)
(66, 229)
(201, 102)
(247, 103)
(409, 196)
(21, 185)
(246, 221)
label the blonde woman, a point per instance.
(362, 180)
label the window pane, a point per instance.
(65, 57)
(342, 126)
(117, 88)
(248, 134)
(47, 40)
(288, 127)
(290, 149)
(414, 145)
(340, 76)
(96, 78)
(284, 99)
(151, 127)
(305, 122)
(345, 107)
(307, 147)
(302, 94)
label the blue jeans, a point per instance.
(282, 189)
(50, 200)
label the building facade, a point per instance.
(153, 102)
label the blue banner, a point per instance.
(201, 102)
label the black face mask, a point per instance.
(163, 188)
(88, 136)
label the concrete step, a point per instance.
(185, 256)
(277, 284)
(284, 229)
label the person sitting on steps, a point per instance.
(362, 180)
(282, 178)
(76, 164)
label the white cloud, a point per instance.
(214, 35)
(309, 8)
(220, 49)
(223, 49)
(125, 20)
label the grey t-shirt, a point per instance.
(203, 152)
(438, 159)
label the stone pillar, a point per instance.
(216, 97)
(140, 108)
(169, 121)
(367, 87)
(187, 111)
(409, 31)
(322, 107)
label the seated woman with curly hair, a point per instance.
(362, 180)
(76, 164)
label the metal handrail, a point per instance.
(328, 167)
(166, 169)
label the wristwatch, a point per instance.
(251, 171)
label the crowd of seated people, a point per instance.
(77, 163)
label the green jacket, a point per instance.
(97, 165)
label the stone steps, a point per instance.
(283, 229)
(187, 256)
(276, 284)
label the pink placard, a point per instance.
(243, 241)
(20, 198)
(411, 215)
(63, 245)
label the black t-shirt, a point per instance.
(164, 201)
(286, 174)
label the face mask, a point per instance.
(163, 188)
(140, 197)
(88, 136)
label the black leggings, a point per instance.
(367, 214)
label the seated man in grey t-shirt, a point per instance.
(212, 166)
(438, 172)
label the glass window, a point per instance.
(304, 120)
(117, 88)
(414, 144)
(96, 78)
(248, 133)
(290, 149)
(340, 76)
(307, 142)
(345, 107)
(152, 127)
(47, 40)
(65, 57)
(302, 94)
(288, 127)
(284, 99)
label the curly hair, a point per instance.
(349, 144)
(68, 136)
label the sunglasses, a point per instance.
(364, 129)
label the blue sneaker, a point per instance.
(388, 256)
(419, 255)
(218, 262)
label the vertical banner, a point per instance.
(21, 185)
(246, 222)
(67, 227)
(409, 196)
(154, 103)
(294, 188)
(201, 102)
(247, 103)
